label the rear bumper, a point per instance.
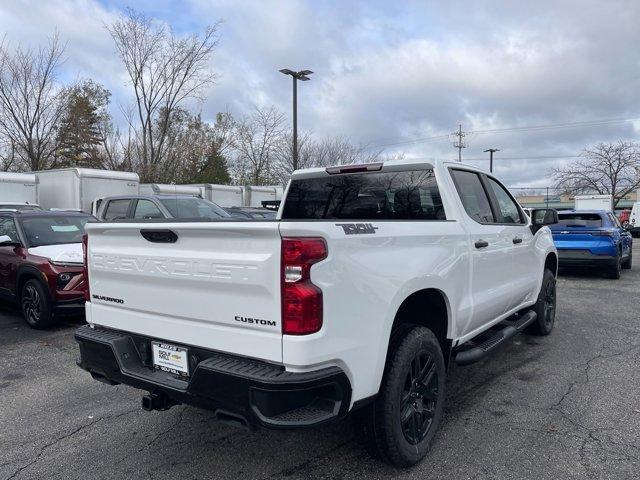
(237, 389)
(577, 257)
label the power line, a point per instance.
(408, 142)
(484, 159)
(586, 123)
(534, 157)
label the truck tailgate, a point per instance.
(216, 287)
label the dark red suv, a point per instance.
(41, 263)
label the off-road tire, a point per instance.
(35, 304)
(545, 306)
(379, 426)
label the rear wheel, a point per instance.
(36, 306)
(545, 306)
(628, 262)
(399, 425)
(616, 267)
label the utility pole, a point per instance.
(459, 143)
(302, 75)
(491, 152)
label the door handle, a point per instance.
(481, 244)
(159, 236)
(517, 240)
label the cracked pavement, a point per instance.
(565, 406)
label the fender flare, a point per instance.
(33, 272)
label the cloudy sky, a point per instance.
(401, 74)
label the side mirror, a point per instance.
(543, 216)
(6, 241)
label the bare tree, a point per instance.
(164, 70)
(257, 140)
(29, 101)
(7, 155)
(319, 153)
(605, 169)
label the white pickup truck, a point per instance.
(371, 281)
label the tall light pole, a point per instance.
(303, 76)
(491, 152)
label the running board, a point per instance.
(474, 354)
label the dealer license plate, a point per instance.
(169, 358)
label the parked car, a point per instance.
(41, 263)
(147, 207)
(374, 278)
(593, 238)
(249, 213)
(19, 206)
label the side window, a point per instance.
(147, 209)
(473, 196)
(116, 209)
(8, 227)
(508, 208)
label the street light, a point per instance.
(303, 76)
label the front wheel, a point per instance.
(399, 425)
(545, 306)
(36, 306)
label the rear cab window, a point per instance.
(393, 195)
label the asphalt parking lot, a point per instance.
(566, 406)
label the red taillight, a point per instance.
(85, 267)
(301, 299)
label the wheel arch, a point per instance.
(551, 262)
(29, 272)
(430, 308)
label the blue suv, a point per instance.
(592, 238)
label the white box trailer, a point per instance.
(255, 195)
(169, 189)
(79, 188)
(19, 188)
(223, 195)
(593, 202)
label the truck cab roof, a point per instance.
(404, 164)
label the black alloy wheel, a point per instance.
(419, 397)
(36, 305)
(31, 304)
(549, 304)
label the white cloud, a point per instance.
(391, 72)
